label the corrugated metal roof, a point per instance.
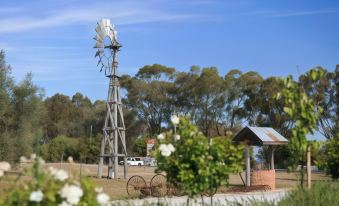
(260, 136)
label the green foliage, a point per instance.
(195, 164)
(89, 148)
(60, 146)
(320, 194)
(303, 111)
(18, 194)
(331, 160)
(149, 95)
(21, 114)
(139, 147)
(321, 89)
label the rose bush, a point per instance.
(191, 161)
(53, 187)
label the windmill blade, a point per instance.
(115, 35)
(98, 29)
(107, 31)
(101, 68)
(98, 38)
(99, 45)
(105, 22)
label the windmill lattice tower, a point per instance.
(114, 127)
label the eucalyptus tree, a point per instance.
(184, 99)
(26, 117)
(242, 93)
(62, 116)
(250, 84)
(322, 92)
(270, 110)
(83, 108)
(336, 118)
(148, 95)
(6, 86)
(210, 98)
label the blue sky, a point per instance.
(53, 39)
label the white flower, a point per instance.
(36, 196)
(103, 199)
(175, 119)
(170, 147)
(98, 189)
(161, 136)
(2, 173)
(64, 203)
(33, 156)
(72, 193)
(61, 175)
(5, 166)
(70, 159)
(23, 159)
(229, 133)
(41, 161)
(166, 150)
(176, 137)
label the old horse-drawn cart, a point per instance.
(158, 187)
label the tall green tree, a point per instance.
(62, 116)
(322, 92)
(28, 115)
(6, 87)
(305, 113)
(336, 118)
(148, 95)
(210, 99)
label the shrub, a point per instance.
(320, 194)
(60, 145)
(331, 163)
(189, 160)
(51, 188)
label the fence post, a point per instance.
(248, 166)
(309, 172)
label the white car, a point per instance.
(133, 161)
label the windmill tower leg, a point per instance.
(101, 158)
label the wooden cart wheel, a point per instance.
(136, 186)
(158, 185)
(176, 190)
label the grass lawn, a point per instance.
(117, 188)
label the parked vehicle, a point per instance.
(150, 161)
(133, 161)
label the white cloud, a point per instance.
(120, 13)
(302, 13)
(271, 13)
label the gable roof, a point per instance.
(260, 136)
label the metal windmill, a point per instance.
(114, 128)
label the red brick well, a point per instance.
(263, 177)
